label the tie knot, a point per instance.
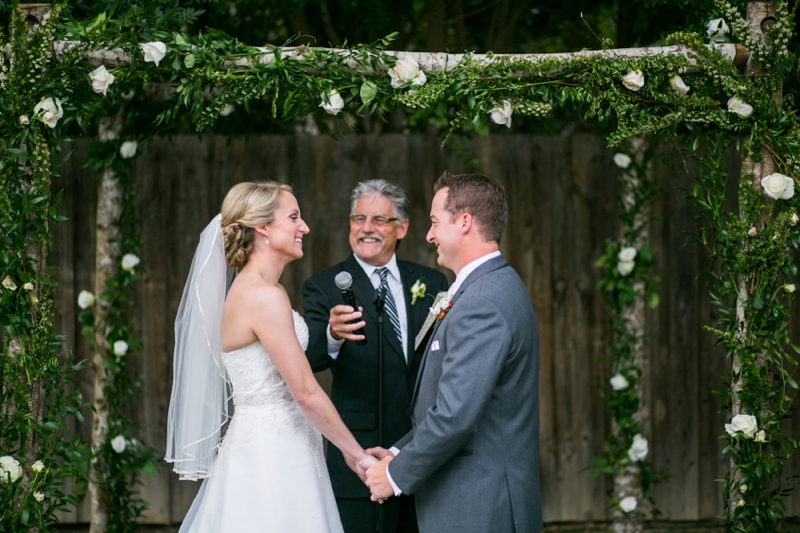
(382, 272)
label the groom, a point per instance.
(471, 458)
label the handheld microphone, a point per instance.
(344, 282)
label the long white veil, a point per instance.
(198, 407)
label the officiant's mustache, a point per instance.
(375, 236)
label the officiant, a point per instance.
(378, 222)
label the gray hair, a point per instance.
(392, 191)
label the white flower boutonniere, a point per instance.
(417, 291)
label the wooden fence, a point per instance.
(560, 192)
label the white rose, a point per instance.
(24, 120)
(627, 254)
(628, 504)
(9, 467)
(761, 436)
(717, 28)
(625, 267)
(9, 284)
(502, 115)
(638, 449)
(633, 80)
(740, 503)
(406, 70)
(745, 424)
(680, 87)
(778, 186)
(227, 110)
(153, 52)
(38, 496)
(85, 299)
(789, 287)
(101, 79)
(740, 108)
(334, 103)
(128, 149)
(795, 219)
(120, 348)
(129, 261)
(118, 443)
(37, 467)
(743, 489)
(28, 286)
(49, 111)
(752, 232)
(619, 382)
(622, 160)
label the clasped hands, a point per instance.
(371, 469)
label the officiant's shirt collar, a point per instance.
(467, 270)
(394, 270)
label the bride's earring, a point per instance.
(266, 239)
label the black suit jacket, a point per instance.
(354, 390)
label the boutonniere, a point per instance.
(441, 306)
(417, 291)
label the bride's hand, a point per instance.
(363, 465)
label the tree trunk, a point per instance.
(107, 264)
(753, 172)
(629, 483)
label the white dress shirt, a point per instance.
(462, 275)
(396, 286)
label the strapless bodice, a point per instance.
(253, 376)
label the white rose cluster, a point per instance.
(626, 260)
(101, 79)
(633, 80)
(628, 504)
(619, 382)
(502, 115)
(153, 52)
(128, 149)
(639, 449)
(744, 425)
(10, 470)
(49, 111)
(334, 104)
(129, 262)
(778, 187)
(405, 71)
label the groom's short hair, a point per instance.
(480, 197)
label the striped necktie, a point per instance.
(390, 307)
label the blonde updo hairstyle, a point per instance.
(248, 205)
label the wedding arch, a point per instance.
(704, 96)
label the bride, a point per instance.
(244, 345)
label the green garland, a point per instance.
(623, 265)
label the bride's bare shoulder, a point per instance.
(255, 296)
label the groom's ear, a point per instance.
(466, 223)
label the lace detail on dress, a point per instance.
(262, 398)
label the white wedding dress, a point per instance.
(269, 474)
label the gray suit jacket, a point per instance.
(472, 455)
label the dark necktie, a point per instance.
(390, 307)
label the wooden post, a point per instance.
(759, 15)
(107, 264)
(629, 482)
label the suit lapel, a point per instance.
(365, 294)
(488, 266)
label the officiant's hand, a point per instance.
(339, 320)
(377, 481)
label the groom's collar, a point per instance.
(469, 269)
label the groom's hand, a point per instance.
(379, 453)
(377, 481)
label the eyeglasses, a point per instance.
(377, 220)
